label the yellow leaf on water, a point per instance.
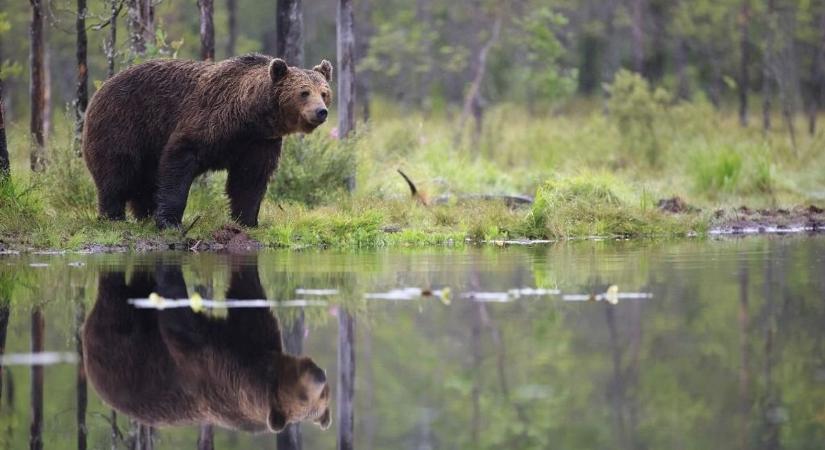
(445, 296)
(196, 302)
(612, 295)
(156, 300)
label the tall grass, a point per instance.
(592, 172)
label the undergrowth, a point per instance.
(597, 171)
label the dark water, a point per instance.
(729, 351)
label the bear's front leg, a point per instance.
(248, 178)
(178, 167)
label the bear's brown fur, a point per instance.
(152, 128)
(176, 367)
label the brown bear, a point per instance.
(152, 128)
(177, 367)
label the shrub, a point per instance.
(20, 208)
(595, 205)
(636, 109)
(313, 168)
(67, 185)
(717, 172)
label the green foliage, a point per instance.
(313, 169)
(67, 185)
(20, 207)
(635, 110)
(546, 75)
(718, 172)
(595, 205)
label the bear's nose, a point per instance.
(319, 375)
(321, 114)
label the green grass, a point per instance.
(592, 174)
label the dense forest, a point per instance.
(429, 53)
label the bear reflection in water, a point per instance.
(178, 367)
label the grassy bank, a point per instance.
(592, 174)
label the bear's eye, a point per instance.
(305, 94)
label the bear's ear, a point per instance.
(278, 69)
(276, 420)
(325, 69)
(325, 420)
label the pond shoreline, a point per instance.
(231, 238)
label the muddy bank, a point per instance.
(745, 220)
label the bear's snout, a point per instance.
(321, 114)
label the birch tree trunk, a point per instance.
(346, 379)
(346, 77)
(82, 93)
(289, 37)
(37, 88)
(207, 30)
(110, 45)
(141, 25)
(472, 100)
(206, 437)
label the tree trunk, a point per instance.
(82, 400)
(364, 31)
(289, 31)
(290, 438)
(36, 427)
(346, 378)
(110, 46)
(346, 77)
(767, 68)
(141, 25)
(744, 61)
(37, 88)
(82, 93)
(637, 30)
(5, 166)
(473, 104)
(818, 97)
(206, 437)
(207, 30)
(232, 27)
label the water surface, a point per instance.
(720, 346)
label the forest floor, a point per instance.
(693, 171)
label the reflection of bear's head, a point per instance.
(303, 394)
(303, 96)
(176, 367)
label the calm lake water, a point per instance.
(720, 345)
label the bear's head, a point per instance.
(302, 95)
(301, 393)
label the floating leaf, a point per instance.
(196, 302)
